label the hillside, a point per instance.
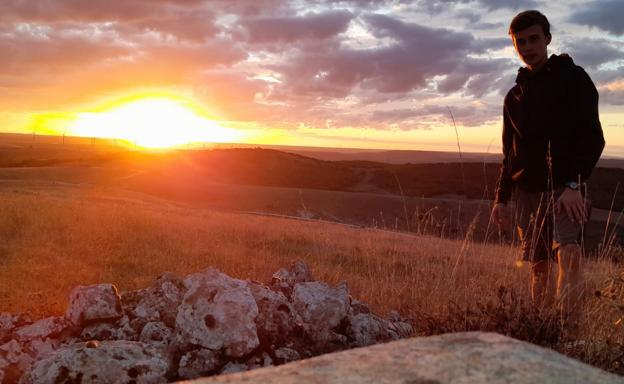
(52, 239)
(445, 199)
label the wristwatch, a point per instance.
(572, 185)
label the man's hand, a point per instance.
(571, 201)
(500, 215)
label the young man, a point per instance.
(552, 139)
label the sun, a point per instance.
(152, 122)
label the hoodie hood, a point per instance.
(554, 63)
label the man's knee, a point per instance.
(569, 256)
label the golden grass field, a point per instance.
(84, 214)
(54, 236)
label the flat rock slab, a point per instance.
(471, 357)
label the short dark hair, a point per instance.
(526, 19)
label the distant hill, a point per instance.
(408, 173)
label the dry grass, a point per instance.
(51, 241)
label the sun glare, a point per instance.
(152, 123)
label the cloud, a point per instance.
(612, 92)
(509, 4)
(187, 19)
(603, 14)
(232, 94)
(593, 52)
(437, 6)
(66, 64)
(316, 26)
(470, 115)
(417, 55)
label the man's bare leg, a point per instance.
(569, 285)
(540, 278)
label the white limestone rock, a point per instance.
(286, 355)
(285, 279)
(158, 302)
(102, 363)
(118, 330)
(9, 322)
(367, 329)
(321, 307)
(199, 363)
(232, 367)
(401, 329)
(358, 307)
(14, 361)
(218, 312)
(94, 303)
(53, 327)
(277, 318)
(157, 334)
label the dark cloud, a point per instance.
(417, 55)
(317, 26)
(612, 97)
(438, 6)
(187, 19)
(607, 15)
(509, 4)
(42, 51)
(463, 115)
(592, 53)
(90, 11)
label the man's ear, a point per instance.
(548, 39)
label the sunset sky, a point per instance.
(364, 74)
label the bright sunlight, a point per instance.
(152, 123)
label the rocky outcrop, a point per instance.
(205, 324)
(94, 303)
(473, 357)
(105, 362)
(217, 312)
(321, 307)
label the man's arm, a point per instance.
(588, 141)
(587, 146)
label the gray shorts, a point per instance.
(541, 230)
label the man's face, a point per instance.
(531, 44)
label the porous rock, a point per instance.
(367, 329)
(321, 307)
(401, 329)
(102, 363)
(285, 278)
(202, 325)
(14, 361)
(232, 367)
(94, 303)
(158, 302)
(198, 363)
(9, 322)
(118, 330)
(358, 307)
(217, 312)
(277, 319)
(56, 327)
(286, 355)
(156, 334)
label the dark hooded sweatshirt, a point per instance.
(551, 131)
